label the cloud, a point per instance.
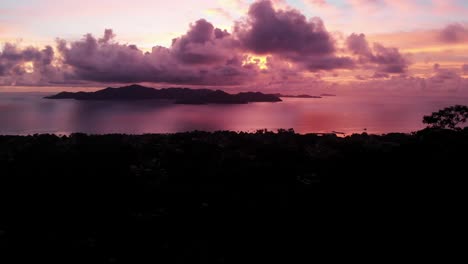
(376, 75)
(198, 57)
(380, 75)
(360, 77)
(465, 68)
(28, 65)
(358, 45)
(439, 84)
(442, 78)
(108, 36)
(389, 60)
(273, 45)
(203, 44)
(287, 33)
(386, 60)
(270, 31)
(454, 33)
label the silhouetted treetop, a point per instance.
(448, 118)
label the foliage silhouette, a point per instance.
(448, 118)
(204, 197)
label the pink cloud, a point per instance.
(202, 56)
(272, 46)
(288, 34)
(386, 60)
(454, 33)
(465, 69)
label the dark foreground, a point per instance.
(195, 197)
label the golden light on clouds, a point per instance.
(218, 12)
(438, 48)
(28, 67)
(260, 61)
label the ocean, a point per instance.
(28, 113)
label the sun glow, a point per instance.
(28, 67)
(260, 61)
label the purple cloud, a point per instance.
(270, 31)
(18, 66)
(291, 43)
(203, 44)
(199, 57)
(290, 35)
(358, 45)
(386, 60)
(454, 33)
(380, 75)
(465, 68)
(389, 60)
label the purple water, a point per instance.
(28, 113)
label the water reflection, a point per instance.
(28, 113)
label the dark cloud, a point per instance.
(375, 76)
(389, 60)
(386, 60)
(358, 45)
(205, 54)
(108, 36)
(208, 55)
(290, 35)
(443, 76)
(454, 33)
(219, 33)
(464, 68)
(380, 75)
(199, 57)
(201, 32)
(270, 31)
(203, 44)
(325, 63)
(16, 63)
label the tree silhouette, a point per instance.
(447, 118)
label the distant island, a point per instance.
(177, 95)
(329, 95)
(298, 96)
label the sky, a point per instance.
(299, 45)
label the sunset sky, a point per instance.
(374, 45)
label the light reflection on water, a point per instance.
(28, 113)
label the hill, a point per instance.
(177, 95)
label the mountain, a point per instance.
(178, 95)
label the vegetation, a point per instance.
(200, 197)
(448, 118)
(177, 95)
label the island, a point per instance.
(327, 95)
(299, 96)
(176, 95)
